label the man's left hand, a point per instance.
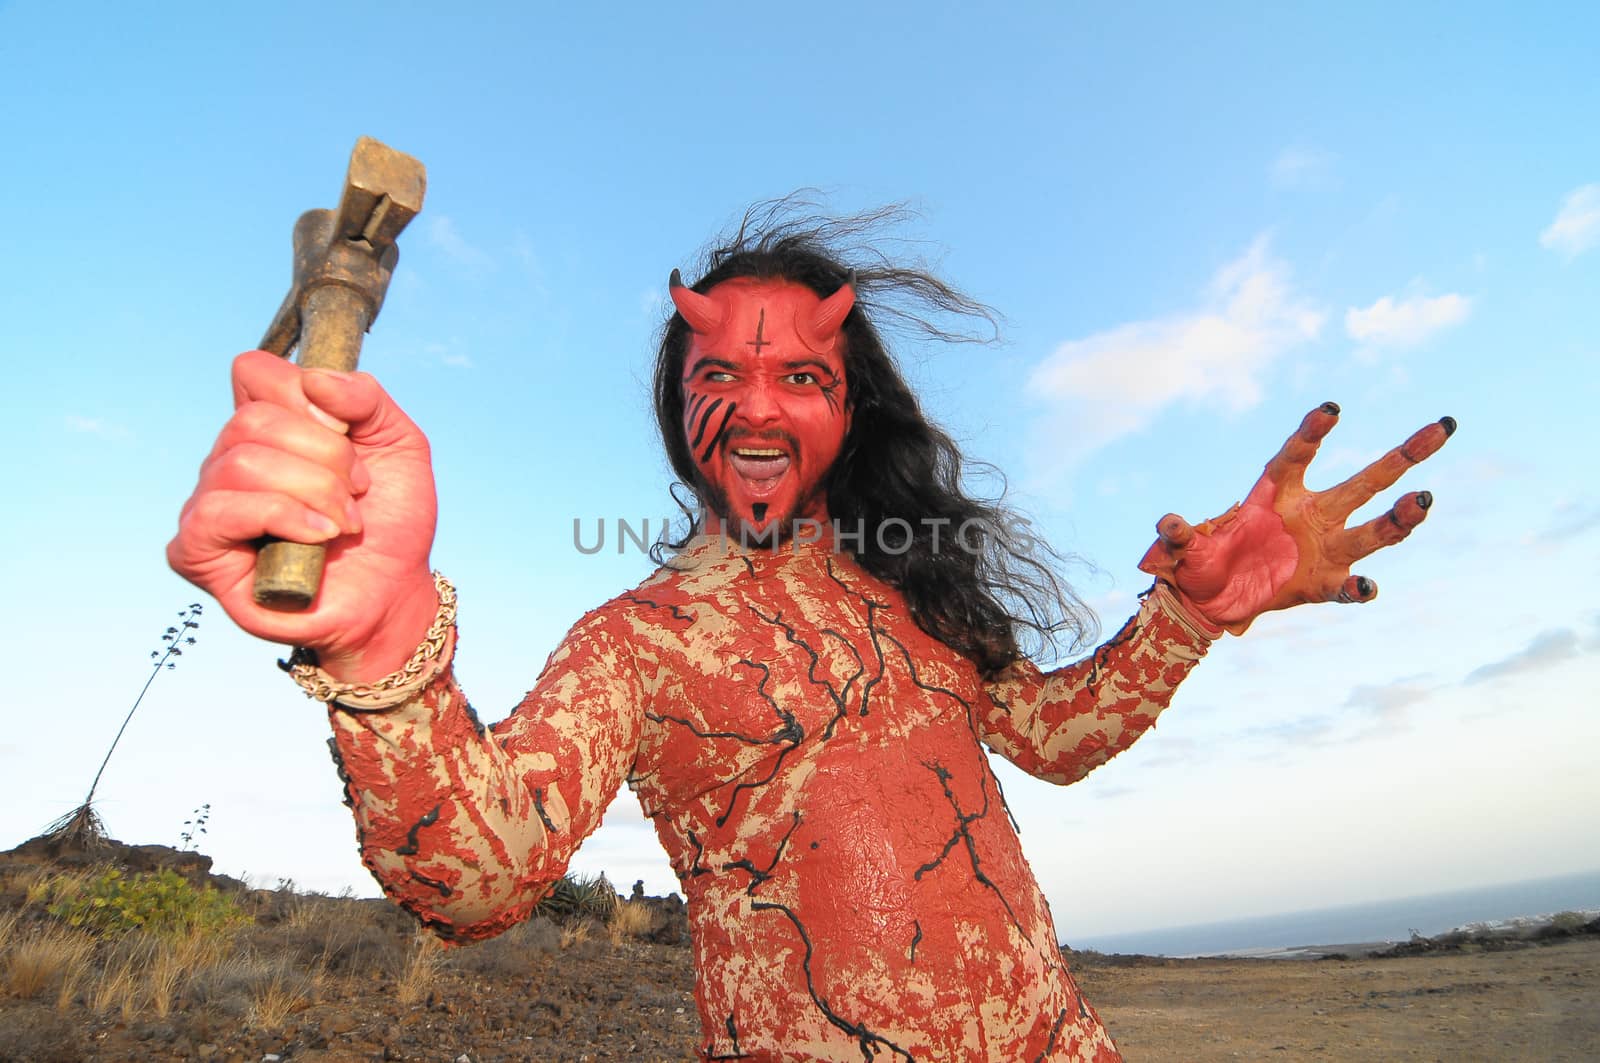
(1284, 545)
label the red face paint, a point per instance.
(764, 398)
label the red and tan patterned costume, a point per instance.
(813, 759)
(814, 766)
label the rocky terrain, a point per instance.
(280, 975)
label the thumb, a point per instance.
(360, 401)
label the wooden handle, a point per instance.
(333, 321)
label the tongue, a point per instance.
(759, 468)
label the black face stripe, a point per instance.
(694, 404)
(711, 446)
(828, 393)
(705, 420)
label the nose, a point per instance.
(758, 405)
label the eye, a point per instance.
(718, 376)
(802, 379)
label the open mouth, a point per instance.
(760, 467)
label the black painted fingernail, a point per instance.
(1330, 407)
(1424, 499)
(1449, 426)
(1363, 586)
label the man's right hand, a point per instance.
(283, 466)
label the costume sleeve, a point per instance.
(466, 826)
(1062, 725)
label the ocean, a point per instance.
(1394, 920)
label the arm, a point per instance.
(466, 827)
(1063, 724)
(463, 826)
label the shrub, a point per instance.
(631, 920)
(579, 897)
(162, 902)
(50, 956)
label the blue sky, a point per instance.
(1196, 225)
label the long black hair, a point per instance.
(971, 573)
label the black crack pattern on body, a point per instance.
(428, 819)
(544, 817)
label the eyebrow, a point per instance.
(708, 361)
(803, 363)
(713, 362)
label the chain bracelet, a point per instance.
(302, 663)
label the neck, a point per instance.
(803, 533)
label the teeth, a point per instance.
(748, 452)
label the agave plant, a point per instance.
(82, 828)
(579, 897)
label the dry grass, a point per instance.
(252, 980)
(8, 924)
(173, 963)
(423, 962)
(631, 920)
(283, 992)
(118, 986)
(338, 936)
(575, 933)
(149, 972)
(521, 952)
(45, 957)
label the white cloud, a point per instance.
(1577, 225)
(1405, 323)
(1548, 648)
(1301, 166)
(1388, 702)
(1571, 520)
(94, 426)
(444, 235)
(1114, 383)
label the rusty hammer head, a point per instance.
(352, 249)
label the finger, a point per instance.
(1288, 466)
(1356, 589)
(1176, 532)
(259, 376)
(275, 427)
(1339, 502)
(260, 469)
(217, 522)
(1375, 534)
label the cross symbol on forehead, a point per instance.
(758, 342)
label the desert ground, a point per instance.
(276, 975)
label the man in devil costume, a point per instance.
(800, 695)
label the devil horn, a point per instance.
(819, 332)
(702, 313)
